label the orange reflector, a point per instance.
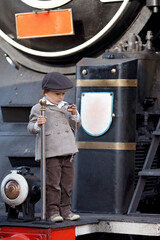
(44, 24)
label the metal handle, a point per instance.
(43, 163)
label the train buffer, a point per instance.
(147, 171)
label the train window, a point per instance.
(15, 114)
(27, 161)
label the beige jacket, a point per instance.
(59, 127)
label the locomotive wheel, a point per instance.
(93, 32)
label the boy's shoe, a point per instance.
(56, 218)
(72, 217)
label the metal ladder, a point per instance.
(146, 170)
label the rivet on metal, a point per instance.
(84, 72)
(113, 70)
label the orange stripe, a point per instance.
(107, 145)
(107, 83)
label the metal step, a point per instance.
(149, 172)
(146, 171)
(156, 133)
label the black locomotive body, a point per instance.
(114, 40)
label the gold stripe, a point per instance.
(106, 82)
(107, 145)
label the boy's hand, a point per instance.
(41, 120)
(73, 109)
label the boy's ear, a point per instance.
(44, 92)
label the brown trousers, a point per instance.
(59, 184)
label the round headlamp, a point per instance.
(14, 189)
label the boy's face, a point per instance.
(55, 96)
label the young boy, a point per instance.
(60, 122)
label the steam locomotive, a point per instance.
(112, 47)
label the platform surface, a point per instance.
(135, 224)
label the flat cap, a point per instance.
(56, 81)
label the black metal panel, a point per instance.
(104, 181)
(105, 178)
(148, 63)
